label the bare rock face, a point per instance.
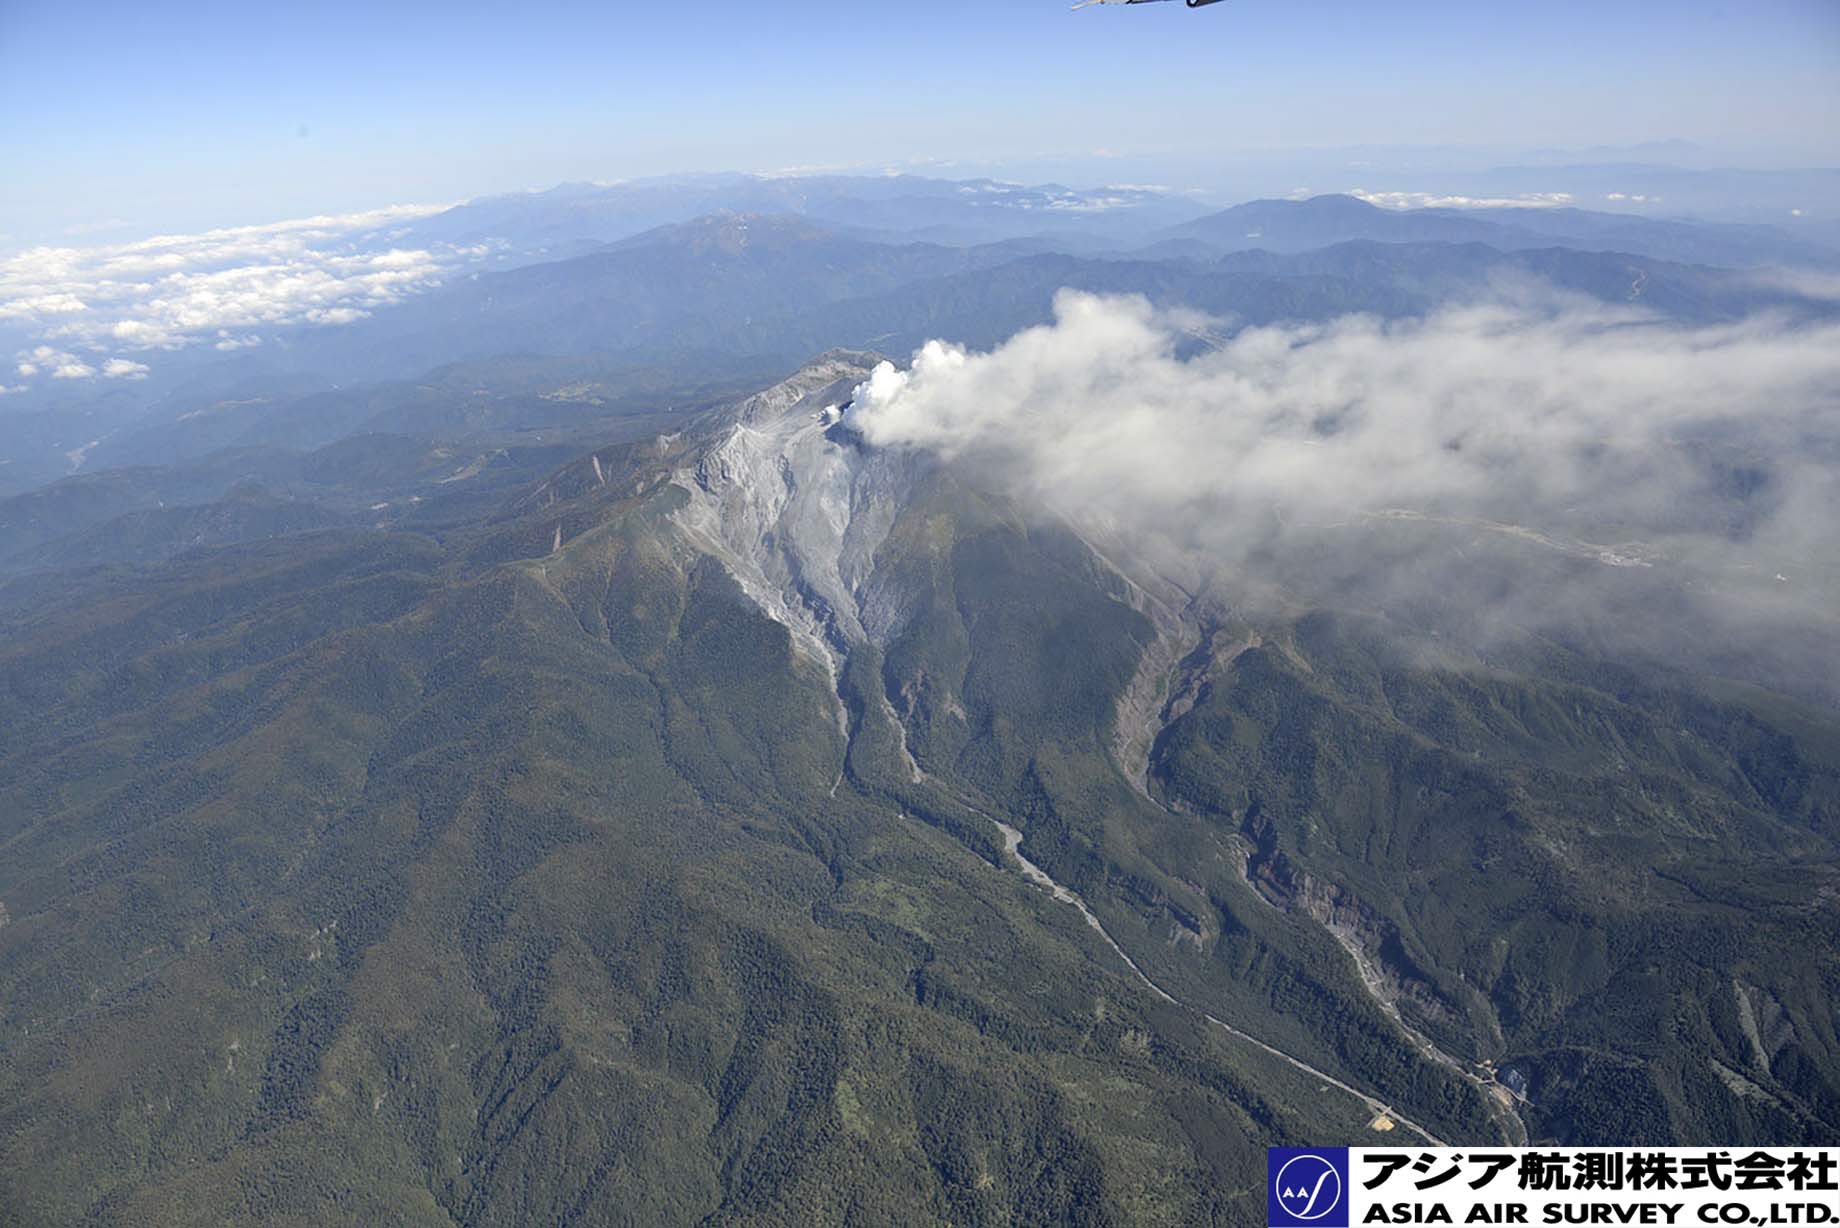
(796, 507)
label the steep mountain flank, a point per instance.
(742, 825)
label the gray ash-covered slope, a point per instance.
(636, 852)
(797, 511)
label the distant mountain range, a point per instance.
(773, 285)
(1299, 225)
(573, 218)
(576, 218)
(741, 294)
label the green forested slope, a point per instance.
(1623, 889)
(349, 883)
(526, 874)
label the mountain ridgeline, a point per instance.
(735, 823)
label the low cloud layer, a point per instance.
(97, 305)
(1442, 200)
(1446, 200)
(1587, 433)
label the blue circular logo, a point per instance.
(1308, 1187)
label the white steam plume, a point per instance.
(1562, 426)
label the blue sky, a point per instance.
(186, 114)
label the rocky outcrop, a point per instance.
(795, 508)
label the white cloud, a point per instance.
(122, 368)
(58, 364)
(61, 364)
(1466, 404)
(1435, 200)
(335, 315)
(1602, 433)
(174, 290)
(1808, 283)
(55, 303)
